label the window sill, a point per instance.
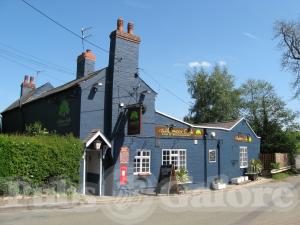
(243, 167)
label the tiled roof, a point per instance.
(47, 89)
(225, 124)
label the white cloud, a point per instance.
(222, 63)
(249, 35)
(204, 64)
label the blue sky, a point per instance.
(176, 35)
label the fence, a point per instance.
(268, 158)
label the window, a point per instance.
(142, 162)
(177, 157)
(212, 155)
(243, 157)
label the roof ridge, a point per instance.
(226, 121)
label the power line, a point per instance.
(35, 62)
(64, 27)
(28, 67)
(166, 89)
(37, 58)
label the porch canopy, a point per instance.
(94, 135)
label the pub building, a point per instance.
(126, 140)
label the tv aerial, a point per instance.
(84, 36)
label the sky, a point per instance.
(177, 36)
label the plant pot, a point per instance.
(252, 176)
(218, 186)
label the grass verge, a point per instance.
(283, 175)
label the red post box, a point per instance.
(123, 175)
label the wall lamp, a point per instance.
(97, 85)
(121, 105)
(170, 127)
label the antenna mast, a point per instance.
(84, 36)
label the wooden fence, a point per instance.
(268, 158)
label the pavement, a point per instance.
(259, 203)
(62, 201)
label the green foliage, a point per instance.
(215, 96)
(255, 166)
(35, 129)
(288, 33)
(38, 159)
(268, 116)
(280, 176)
(182, 176)
(275, 166)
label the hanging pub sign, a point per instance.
(243, 138)
(134, 120)
(178, 132)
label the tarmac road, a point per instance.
(275, 203)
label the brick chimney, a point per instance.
(122, 69)
(27, 85)
(85, 63)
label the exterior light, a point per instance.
(213, 134)
(97, 145)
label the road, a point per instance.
(265, 204)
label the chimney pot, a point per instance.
(120, 24)
(130, 27)
(31, 83)
(26, 86)
(26, 79)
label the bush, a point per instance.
(275, 166)
(37, 159)
(255, 166)
(182, 176)
(9, 187)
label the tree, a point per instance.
(268, 116)
(289, 35)
(216, 98)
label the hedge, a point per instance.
(38, 159)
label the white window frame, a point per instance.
(169, 161)
(243, 157)
(209, 151)
(138, 170)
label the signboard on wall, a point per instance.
(243, 138)
(178, 132)
(64, 118)
(124, 155)
(134, 120)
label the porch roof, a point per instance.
(93, 135)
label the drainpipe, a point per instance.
(219, 158)
(84, 172)
(205, 157)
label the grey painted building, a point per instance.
(126, 140)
